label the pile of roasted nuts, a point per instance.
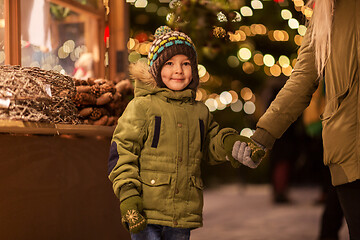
(101, 101)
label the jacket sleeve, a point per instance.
(126, 144)
(214, 142)
(295, 96)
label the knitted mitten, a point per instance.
(241, 149)
(130, 211)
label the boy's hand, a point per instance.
(243, 150)
(130, 211)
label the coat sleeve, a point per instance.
(127, 142)
(215, 136)
(296, 94)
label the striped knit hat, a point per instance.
(167, 44)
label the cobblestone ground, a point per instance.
(235, 212)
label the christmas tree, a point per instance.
(241, 45)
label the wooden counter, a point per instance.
(54, 185)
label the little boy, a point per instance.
(160, 141)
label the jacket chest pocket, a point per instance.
(157, 127)
(156, 190)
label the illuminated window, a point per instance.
(53, 37)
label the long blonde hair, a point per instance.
(321, 24)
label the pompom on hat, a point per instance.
(167, 44)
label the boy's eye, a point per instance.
(168, 63)
(186, 63)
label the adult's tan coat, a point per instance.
(158, 146)
(341, 124)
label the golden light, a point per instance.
(259, 29)
(244, 54)
(246, 30)
(281, 35)
(287, 71)
(242, 35)
(302, 30)
(308, 12)
(141, 3)
(286, 14)
(256, 4)
(131, 44)
(249, 107)
(258, 59)
(269, 60)
(275, 70)
(200, 94)
(212, 104)
(234, 37)
(246, 93)
(220, 105)
(298, 40)
(246, 11)
(202, 70)
(284, 61)
(205, 78)
(271, 35)
(234, 96)
(293, 23)
(298, 3)
(143, 48)
(248, 68)
(267, 71)
(225, 97)
(293, 63)
(247, 132)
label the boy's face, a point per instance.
(176, 73)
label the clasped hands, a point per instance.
(243, 150)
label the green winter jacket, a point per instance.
(158, 146)
(340, 119)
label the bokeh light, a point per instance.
(246, 93)
(233, 61)
(246, 11)
(211, 104)
(249, 107)
(286, 14)
(244, 54)
(201, 70)
(236, 106)
(284, 61)
(256, 4)
(247, 132)
(269, 60)
(293, 23)
(225, 97)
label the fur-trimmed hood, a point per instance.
(145, 84)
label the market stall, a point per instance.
(55, 126)
(53, 181)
